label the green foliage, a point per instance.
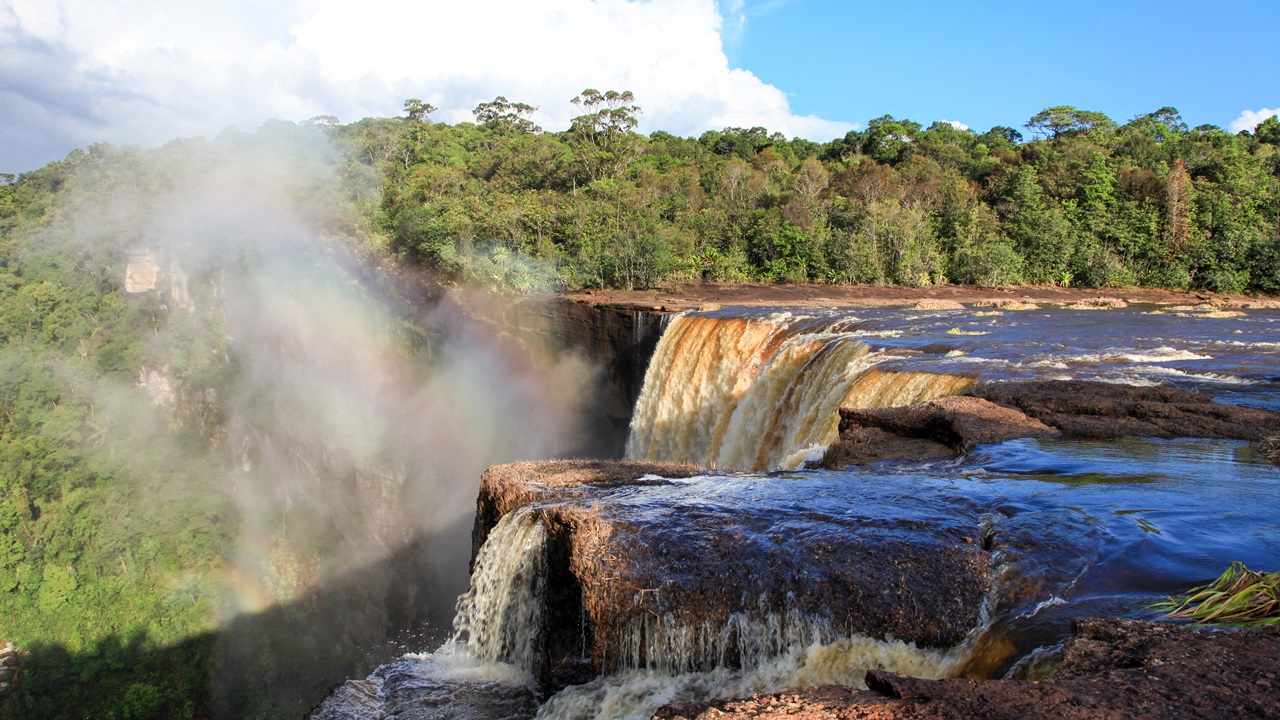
(1090, 203)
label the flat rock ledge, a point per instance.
(628, 574)
(938, 428)
(996, 412)
(1111, 670)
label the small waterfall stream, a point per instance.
(499, 619)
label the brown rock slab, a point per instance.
(1111, 670)
(638, 562)
(1088, 409)
(938, 428)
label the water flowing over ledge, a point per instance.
(762, 394)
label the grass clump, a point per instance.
(1239, 596)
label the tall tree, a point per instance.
(1064, 120)
(502, 115)
(604, 135)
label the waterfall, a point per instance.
(500, 618)
(761, 394)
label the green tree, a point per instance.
(604, 135)
(1065, 120)
(502, 115)
(1268, 131)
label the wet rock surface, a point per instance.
(997, 412)
(655, 571)
(409, 690)
(1110, 669)
(939, 428)
(1081, 408)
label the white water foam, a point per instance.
(1151, 376)
(636, 694)
(1160, 354)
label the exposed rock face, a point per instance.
(1111, 669)
(641, 582)
(619, 340)
(141, 273)
(1086, 409)
(10, 659)
(997, 412)
(938, 428)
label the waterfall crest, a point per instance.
(761, 394)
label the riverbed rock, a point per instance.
(1088, 409)
(1111, 669)
(996, 412)
(1097, 303)
(936, 304)
(938, 428)
(679, 581)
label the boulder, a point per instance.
(938, 428)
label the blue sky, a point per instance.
(76, 72)
(990, 63)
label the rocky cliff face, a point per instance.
(618, 340)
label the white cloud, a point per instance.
(73, 72)
(956, 124)
(1249, 119)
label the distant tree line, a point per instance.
(1085, 201)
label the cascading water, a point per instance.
(780, 658)
(762, 394)
(499, 619)
(486, 669)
